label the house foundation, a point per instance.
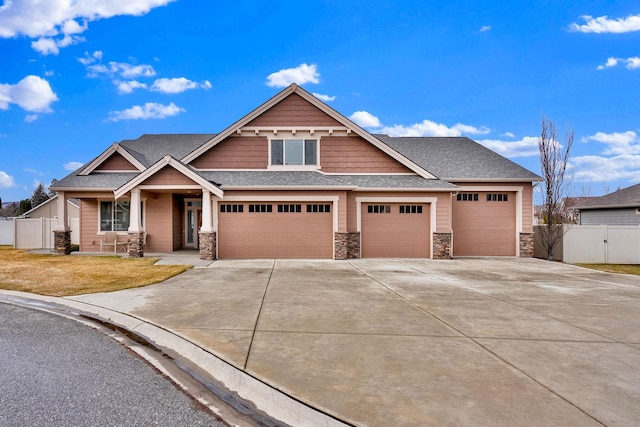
(526, 245)
(62, 242)
(207, 245)
(135, 248)
(441, 245)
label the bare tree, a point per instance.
(554, 159)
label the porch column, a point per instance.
(206, 235)
(61, 233)
(135, 247)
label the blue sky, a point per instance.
(77, 76)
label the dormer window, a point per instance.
(294, 152)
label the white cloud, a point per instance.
(508, 135)
(425, 128)
(177, 85)
(485, 28)
(526, 147)
(32, 94)
(630, 63)
(91, 59)
(301, 74)
(46, 19)
(365, 119)
(431, 128)
(6, 180)
(71, 166)
(617, 142)
(619, 159)
(606, 169)
(45, 46)
(325, 98)
(31, 118)
(150, 110)
(603, 24)
(122, 69)
(129, 86)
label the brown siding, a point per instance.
(158, 223)
(168, 176)
(116, 163)
(238, 152)
(89, 235)
(294, 111)
(352, 154)
(177, 222)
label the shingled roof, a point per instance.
(626, 198)
(458, 159)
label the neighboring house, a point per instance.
(33, 229)
(49, 209)
(296, 179)
(621, 207)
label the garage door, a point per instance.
(275, 230)
(484, 224)
(393, 230)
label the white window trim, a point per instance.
(283, 136)
(143, 211)
(432, 201)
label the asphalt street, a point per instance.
(57, 372)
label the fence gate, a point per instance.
(601, 244)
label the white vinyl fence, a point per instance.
(37, 233)
(6, 232)
(601, 244)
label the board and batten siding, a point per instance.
(627, 216)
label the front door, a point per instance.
(193, 222)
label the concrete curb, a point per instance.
(266, 398)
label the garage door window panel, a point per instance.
(379, 209)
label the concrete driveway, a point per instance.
(473, 342)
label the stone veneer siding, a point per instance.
(207, 245)
(62, 242)
(526, 245)
(441, 245)
(346, 245)
(353, 245)
(135, 246)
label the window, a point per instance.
(410, 209)
(290, 208)
(497, 197)
(232, 208)
(260, 208)
(379, 209)
(294, 152)
(318, 208)
(467, 197)
(115, 216)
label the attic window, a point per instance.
(294, 152)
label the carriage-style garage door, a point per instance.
(275, 230)
(484, 224)
(395, 230)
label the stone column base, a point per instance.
(346, 245)
(526, 245)
(62, 242)
(135, 248)
(207, 245)
(441, 245)
(353, 245)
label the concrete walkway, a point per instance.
(467, 342)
